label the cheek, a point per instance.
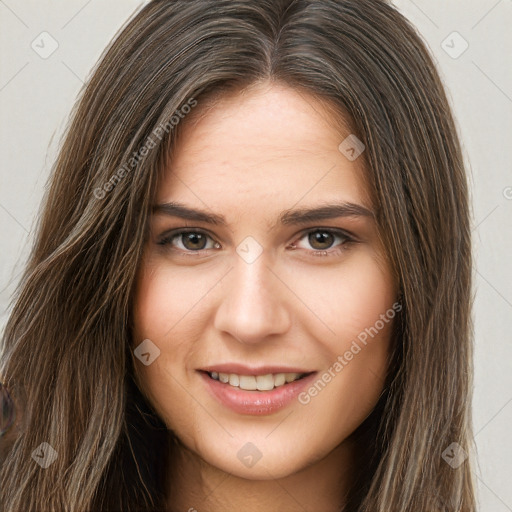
(346, 299)
(171, 308)
(171, 302)
(160, 301)
(162, 310)
(356, 303)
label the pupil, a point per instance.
(320, 237)
(194, 239)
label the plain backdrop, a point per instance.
(470, 41)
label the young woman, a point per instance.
(250, 286)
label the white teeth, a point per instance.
(265, 382)
(247, 382)
(279, 379)
(252, 383)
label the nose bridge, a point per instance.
(253, 304)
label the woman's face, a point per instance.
(255, 287)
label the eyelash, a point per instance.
(167, 239)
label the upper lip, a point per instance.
(241, 369)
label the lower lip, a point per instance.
(256, 403)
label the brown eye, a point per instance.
(188, 241)
(193, 241)
(321, 239)
(323, 242)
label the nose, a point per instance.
(253, 303)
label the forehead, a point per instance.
(269, 146)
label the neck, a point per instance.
(195, 485)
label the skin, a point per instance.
(289, 306)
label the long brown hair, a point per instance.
(66, 358)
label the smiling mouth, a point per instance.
(257, 382)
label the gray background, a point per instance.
(36, 95)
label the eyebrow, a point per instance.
(287, 217)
